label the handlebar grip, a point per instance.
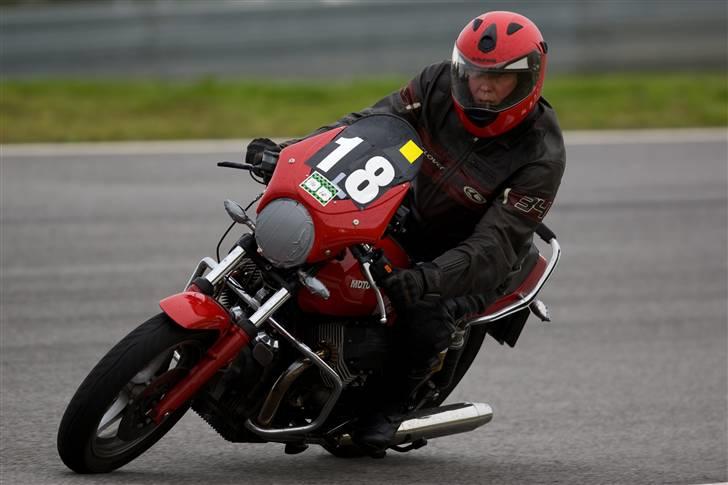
(545, 233)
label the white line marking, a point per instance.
(237, 146)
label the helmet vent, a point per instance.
(513, 28)
(489, 39)
(476, 24)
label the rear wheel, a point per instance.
(107, 423)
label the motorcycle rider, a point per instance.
(494, 158)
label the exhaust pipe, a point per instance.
(441, 421)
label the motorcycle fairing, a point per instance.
(356, 190)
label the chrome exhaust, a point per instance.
(442, 421)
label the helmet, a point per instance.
(498, 67)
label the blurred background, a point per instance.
(340, 38)
(282, 67)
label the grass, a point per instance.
(640, 101)
(65, 110)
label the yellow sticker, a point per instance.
(411, 151)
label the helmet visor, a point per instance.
(493, 89)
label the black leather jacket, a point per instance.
(476, 202)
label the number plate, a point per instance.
(367, 158)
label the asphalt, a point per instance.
(627, 385)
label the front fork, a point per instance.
(189, 311)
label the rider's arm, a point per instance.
(480, 263)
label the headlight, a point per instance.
(284, 232)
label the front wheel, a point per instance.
(107, 423)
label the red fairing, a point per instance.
(196, 311)
(351, 295)
(340, 223)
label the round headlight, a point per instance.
(284, 232)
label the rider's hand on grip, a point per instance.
(404, 287)
(409, 287)
(262, 155)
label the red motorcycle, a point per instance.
(280, 340)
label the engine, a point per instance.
(355, 350)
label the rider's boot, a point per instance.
(375, 432)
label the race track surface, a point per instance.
(627, 385)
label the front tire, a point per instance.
(106, 425)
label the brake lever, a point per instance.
(363, 254)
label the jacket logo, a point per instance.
(434, 161)
(535, 207)
(474, 195)
(529, 204)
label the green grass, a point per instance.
(640, 101)
(62, 110)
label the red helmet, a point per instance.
(498, 67)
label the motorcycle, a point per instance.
(281, 340)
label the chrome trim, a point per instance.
(287, 433)
(268, 308)
(314, 285)
(373, 285)
(225, 266)
(525, 300)
(206, 263)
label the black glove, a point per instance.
(254, 154)
(262, 166)
(408, 287)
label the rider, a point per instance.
(494, 157)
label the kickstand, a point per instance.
(417, 444)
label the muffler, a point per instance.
(441, 421)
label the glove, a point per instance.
(408, 287)
(254, 156)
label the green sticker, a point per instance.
(320, 188)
